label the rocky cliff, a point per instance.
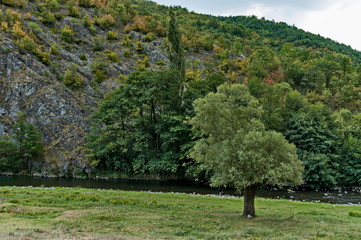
(60, 112)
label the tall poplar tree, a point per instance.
(176, 51)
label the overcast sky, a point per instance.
(336, 19)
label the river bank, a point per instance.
(338, 196)
(78, 213)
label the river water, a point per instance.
(335, 196)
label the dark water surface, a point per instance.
(339, 197)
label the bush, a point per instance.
(112, 35)
(87, 3)
(43, 57)
(54, 49)
(27, 44)
(161, 63)
(105, 21)
(73, 80)
(87, 22)
(34, 27)
(149, 37)
(47, 17)
(112, 56)
(354, 214)
(98, 44)
(18, 31)
(99, 76)
(14, 3)
(99, 68)
(139, 47)
(52, 5)
(127, 53)
(66, 34)
(83, 57)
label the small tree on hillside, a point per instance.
(29, 142)
(237, 149)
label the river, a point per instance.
(335, 196)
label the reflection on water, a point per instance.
(340, 197)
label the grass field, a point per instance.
(65, 213)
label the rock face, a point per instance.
(59, 112)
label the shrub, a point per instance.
(27, 44)
(34, 27)
(43, 57)
(83, 57)
(87, 3)
(112, 35)
(354, 214)
(139, 47)
(112, 56)
(54, 49)
(149, 37)
(105, 21)
(14, 3)
(52, 5)
(99, 76)
(127, 53)
(73, 80)
(66, 34)
(161, 62)
(99, 68)
(18, 31)
(98, 44)
(47, 17)
(143, 64)
(87, 22)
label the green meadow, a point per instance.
(77, 213)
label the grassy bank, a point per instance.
(63, 213)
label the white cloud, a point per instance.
(338, 22)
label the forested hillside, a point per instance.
(281, 33)
(109, 87)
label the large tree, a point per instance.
(139, 127)
(235, 147)
(176, 51)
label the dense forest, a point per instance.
(308, 87)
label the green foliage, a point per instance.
(139, 129)
(176, 51)
(73, 80)
(149, 37)
(235, 146)
(98, 44)
(311, 131)
(8, 155)
(280, 31)
(23, 148)
(47, 17)
(54, 49)
(35, 27)
(127, 53)
(105, 21)
(14, 3)
(236, 149)
(99, 69)
(83, 57)
(67, 34)
(354, 214)
(112, 35)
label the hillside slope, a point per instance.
(59, 58)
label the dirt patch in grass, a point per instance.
(71, 214)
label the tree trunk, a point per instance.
(249, 194)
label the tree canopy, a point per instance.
(237, 149)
